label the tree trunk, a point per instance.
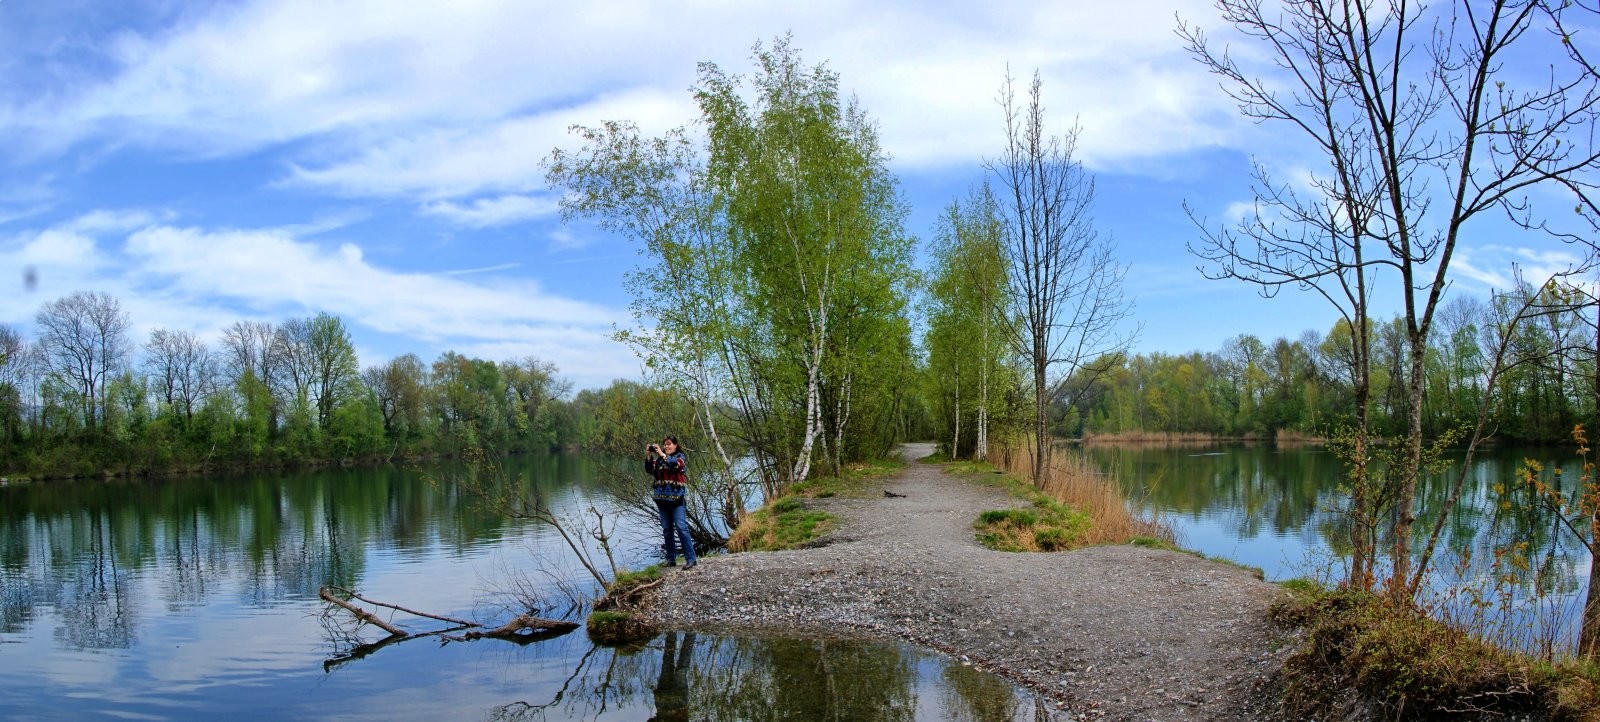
(1040, 449)
(955, 442)
(981, 452)
(1589, 632)
(802, 462)
(1405, 508)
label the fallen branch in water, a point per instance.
(361, 614)
(399, 608)
(523, 628)
(516, 626)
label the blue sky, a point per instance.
(208, 162)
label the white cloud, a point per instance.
(1492, 267)
(444, 101)
(498, 211)
(202, 280)
(506, 155)
(270, 269)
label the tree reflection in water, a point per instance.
(709, 677)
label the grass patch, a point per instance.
(1415, 667)
(628, 581)
(937, 457)
(783, 524)
(1047, 526)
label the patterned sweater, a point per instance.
(670, 474)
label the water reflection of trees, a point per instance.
(1257, 489)
(682, 676)
(79, 547)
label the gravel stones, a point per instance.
(1111, 632)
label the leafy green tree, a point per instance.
(334, 370)
(968, 352)
(815, 216)
(777, 268)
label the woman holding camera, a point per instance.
(668, 466)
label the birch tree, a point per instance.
(968, 297)
(814, 214)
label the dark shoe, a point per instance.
(691, 565)
(671, 564)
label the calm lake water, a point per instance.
(196, 598)
(1279, 509)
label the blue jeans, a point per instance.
(675, 531)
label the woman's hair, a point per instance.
(674, 441)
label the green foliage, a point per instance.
(778, 270)
(972, 376)
(1253, 387)
(280, 396)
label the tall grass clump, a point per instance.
(1074, 481)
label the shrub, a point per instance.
(1416, 667)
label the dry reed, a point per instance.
(1163, 439)
(1290, 438)
(1073, 480)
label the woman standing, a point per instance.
(668, 466)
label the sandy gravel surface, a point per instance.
(1116, 632)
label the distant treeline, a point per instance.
(1255, 387)
(85, 398)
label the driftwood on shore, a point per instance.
(523, 628)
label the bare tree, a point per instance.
(1422, 130)
(291, 345)
(182, 369)
(251, 351)
(1068, 285)
(85, 338)
(13, 365)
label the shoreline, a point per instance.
(1110, 632)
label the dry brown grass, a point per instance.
(1075, 482)
(1289, 438)
(1164, 439)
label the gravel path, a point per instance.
(1111, 632)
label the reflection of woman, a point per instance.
(667, 464)
(671, 691)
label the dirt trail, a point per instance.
(1112, 632)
